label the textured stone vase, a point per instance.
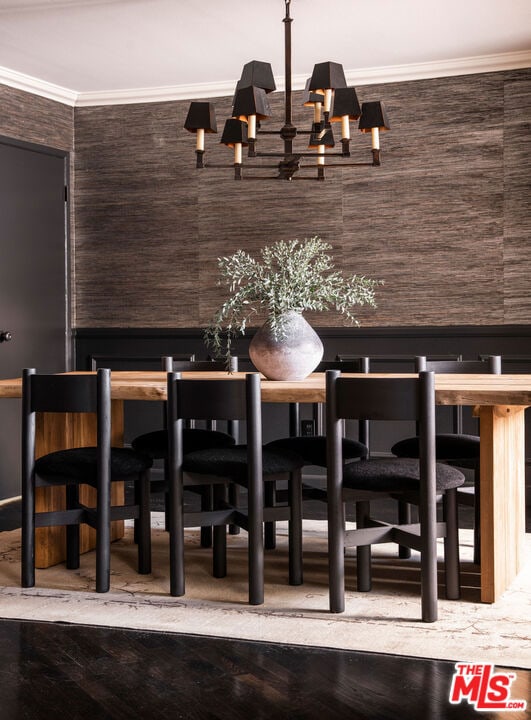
(293, 356)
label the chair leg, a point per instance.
(103, 538)
(28, 535)
(428, 560)
(256, 540)
(404, 518)
(336, 550)
(295, 528)
(363, 552)
(176, 529)
(144, 525)
(72, 531)
(219, 553)
(206, 506)
(451, 546)
(234, 500)
(270, 540)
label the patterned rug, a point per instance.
(386, 620)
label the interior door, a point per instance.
(33, 281)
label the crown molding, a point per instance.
(368, 76)
(33, 85)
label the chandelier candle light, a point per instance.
(326, 91)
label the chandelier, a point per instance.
(326, 92)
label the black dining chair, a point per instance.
(96, 466)
(248, 466)
(312, 446)
(456, 448)
(155, 443)
(412, 480)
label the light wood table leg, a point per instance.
(502, 488)
(58, 431)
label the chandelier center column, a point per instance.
(288, 132)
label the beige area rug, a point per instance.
(386, 620)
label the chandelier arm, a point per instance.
(279, 132)
(298, 154)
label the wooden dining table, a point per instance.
(499, 401)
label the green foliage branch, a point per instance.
(291, 275)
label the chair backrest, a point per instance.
(380, 398)
(170, 364)
(515, 364)
(230, 399)
(61, 393)
(133, 362)
(353, 365)
(490, 364)
(395, 362)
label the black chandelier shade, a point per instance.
(201, 116)
(327, 76)
(259, 74)
(345, 104)
(326, 92)
(251, 101)
(373, 115)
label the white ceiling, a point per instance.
(94, 50)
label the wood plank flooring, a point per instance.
(51, 670)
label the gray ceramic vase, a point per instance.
(290, 357)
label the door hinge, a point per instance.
(66, 193)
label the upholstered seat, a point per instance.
(80, 465)
(391, 475)
(312, 449)
(155, 443)
(448, 446)
(233, 462)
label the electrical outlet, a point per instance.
(307, 428)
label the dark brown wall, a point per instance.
(445, 221)
(35, 119)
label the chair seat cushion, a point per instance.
(155, 444)
(232, 462)
(447, 447)
(80, 465)
(396, 475)
(312, 448)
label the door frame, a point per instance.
(65, 155)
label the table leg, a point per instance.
(502, 501)
(57, 431)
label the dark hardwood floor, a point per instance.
(50, 670)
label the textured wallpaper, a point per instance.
(445, 221)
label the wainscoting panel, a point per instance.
(400, 345)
